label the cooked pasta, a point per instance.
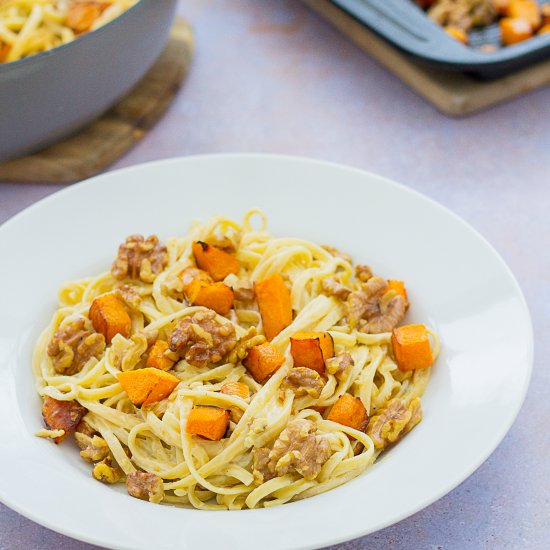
(162, 370)
(28, 27)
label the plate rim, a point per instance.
(351, 533)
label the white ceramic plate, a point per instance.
(456, 282)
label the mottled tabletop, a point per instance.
(273, 77)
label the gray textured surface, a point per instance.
(272, 77)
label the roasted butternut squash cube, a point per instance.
(274, 303)
(236, 388)
(148, 385)
(109, 317)
(311, 350)
(157, 358)
(208, 422)
(262, 361)
(216, 262)
(526, 9)
(216, 296)
(411, 347)
(513, 31)
(349, 411)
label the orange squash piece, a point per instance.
(81, 17)
(216, 296)
(274, 302)
(526, 9)
(208, 422)
(4, 51)
(544, 29)
(502, 6)
(146, 386)
(311, 350)
(349, 411)
(399, 288)
(109, 317)
(215, 261)
(236, 388)
(513, 31)
(62, 415)
(545, 12)
(457, 34)
(262, 361)
(157, 359)
(411, 347)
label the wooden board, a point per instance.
(452, 93)
(90, 151)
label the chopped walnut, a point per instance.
(72, 346)
(369, 312)
(304, 381)
(363, 273)
(84, 428)
(340, 365)
(145, 486)
(243, 291)
(337, 253)
(228, 241)
(261, 470)
(129, 295)
(250, 340)
(463, 14)
(62, 415)
(93, 449)
(106, 472)
(393, 421)
(298, 449)
(333, 287)
(202, 340)
(140, 258)
(190, 274)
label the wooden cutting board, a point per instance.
(452, 93)
(94, 148)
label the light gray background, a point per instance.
(273, 77)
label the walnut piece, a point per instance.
(393, 421)
(62, 415)
(250, 340)
(304, 381)
(190, 274)
(463, 14)
(333, 287)
(93, 449)
(243, 291)
(363, 273)
(72, 346)
(106, 472)
(340, 365)
(145, 486)
(297, 449)
(369, 312)
(337, 253)
(129, 295)
(140, 258)
(202, 340)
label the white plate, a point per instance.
(457, 283)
